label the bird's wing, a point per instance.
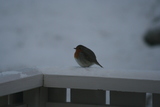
(89, 55)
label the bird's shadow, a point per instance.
(86, 68)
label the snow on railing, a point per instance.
(78, 87)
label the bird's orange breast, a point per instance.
(76, 54)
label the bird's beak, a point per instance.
(74, 48)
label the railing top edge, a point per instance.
(148, 81)
(80, 72)
(101, 79)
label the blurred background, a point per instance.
(124, 34)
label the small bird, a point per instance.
(85, 57)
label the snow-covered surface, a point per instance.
(99, 72)
(44, 33)
(7, 76)
(20, 80)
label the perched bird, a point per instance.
(85, 57)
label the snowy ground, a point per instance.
(43, 33)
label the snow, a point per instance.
(11, 76)
(8, 76)
(43, 33)
(7, 73)
(99, 72)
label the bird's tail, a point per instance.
(99, 64)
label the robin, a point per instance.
(85, 57)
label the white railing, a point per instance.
(78, 87)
